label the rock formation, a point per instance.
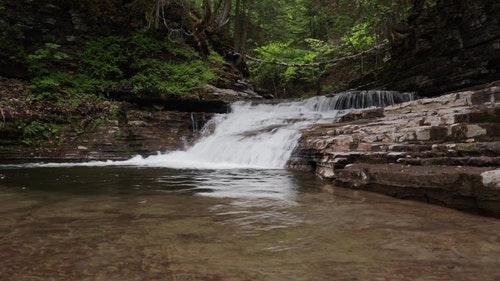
(453, 46)
(138, 126)
(435, 149)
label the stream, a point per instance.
(129, 223)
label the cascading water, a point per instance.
(365, 99)
(263, 135)
(260, 135)
(251, 136)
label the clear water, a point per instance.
(130, 223)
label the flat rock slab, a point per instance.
(473, 189)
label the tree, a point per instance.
(348, 27)
(188, 23)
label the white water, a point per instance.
(251, 136)
(257, 135)
(254, 136)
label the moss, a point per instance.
(465, 149)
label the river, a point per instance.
(129, 223)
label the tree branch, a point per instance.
(375, 49)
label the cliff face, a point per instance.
(453, 46)
(26, 26)
(433, 149)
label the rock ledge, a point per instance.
(442, 150)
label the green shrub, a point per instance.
(39, 62)
(35, 131)
(142, 62)
(104, 58)
(170, 78)
(165, 68)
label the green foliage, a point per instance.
(142, 63)
(63, 86)
(165, 68)
(215, 59)
(144, 44)
(321, 48)
(45, 87)
(35, 131)
(342, 27)
(39, 61)
(170, 78)
(360, 39)
(282, 76)
(103, 58)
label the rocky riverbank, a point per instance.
(443, 150)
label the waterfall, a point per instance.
(252, 135)
(365, 99)
(263, 135)
(259, 135)
(194, 122)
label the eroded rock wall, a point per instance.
(135, 132)
(452, 46)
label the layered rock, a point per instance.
(452, 46)
(116, 130)
(433, 149)
(136, 131)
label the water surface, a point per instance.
(132, 223)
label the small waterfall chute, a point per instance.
(363, 99)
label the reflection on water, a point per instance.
(124, 223)
(276, 185)
(245, 185)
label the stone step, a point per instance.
(482, 161)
